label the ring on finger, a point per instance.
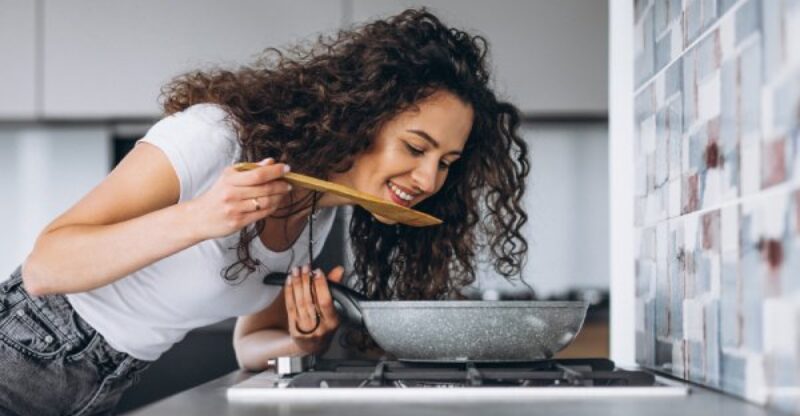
(256, 204)
(316, 325)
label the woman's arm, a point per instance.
(132, 219)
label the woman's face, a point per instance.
(412, 153)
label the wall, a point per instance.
(43, 171)
(567, 205)
(716, 204)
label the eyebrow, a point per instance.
(431, 140)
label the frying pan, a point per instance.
(460, 330)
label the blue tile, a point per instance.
(663, 357)
(661, 15)
(708, 55)
(724, 5)
(689, 82)
(644, 61)
(674, 120)
(772, 35)
(712, 352)
(663, 49)
(697, 371)
(748, 20)
(673, 78)
(675, 269)
(750, 89)
(728, 109)
(734, 371)
(752, 299)
(729, 305)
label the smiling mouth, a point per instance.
(399, 196)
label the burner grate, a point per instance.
(552, 373)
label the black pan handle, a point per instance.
(345, 300)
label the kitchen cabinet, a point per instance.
(562, 73)
(110, 59)
(18, 49)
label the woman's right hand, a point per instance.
(240, 198)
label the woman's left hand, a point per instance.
(312, 318)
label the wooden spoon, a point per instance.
(371, 203)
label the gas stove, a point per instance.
(307, 379)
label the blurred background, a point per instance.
(81, 80)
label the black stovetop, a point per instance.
(584, 372)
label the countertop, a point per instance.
(209, 399)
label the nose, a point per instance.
(424, 177)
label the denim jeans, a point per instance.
(54, 363)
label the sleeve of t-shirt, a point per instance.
(199, 143)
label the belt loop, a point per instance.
(13, 281)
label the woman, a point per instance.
(176, 238)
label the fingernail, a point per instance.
(295, 271)
(289, 187)
(306, 269)
(317, 274)
(266, 161)
(288, 279)
(286, 168)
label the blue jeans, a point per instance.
(54, 363)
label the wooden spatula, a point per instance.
(371, 203)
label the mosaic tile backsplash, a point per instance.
(717, 194)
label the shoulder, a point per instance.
(211, 114)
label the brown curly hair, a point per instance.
(318, 106)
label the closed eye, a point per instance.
(414, 151)
(443, 165)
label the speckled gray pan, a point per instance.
(461, 330)
(473, 330)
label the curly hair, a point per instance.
(318, 106)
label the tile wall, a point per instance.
(717, 194)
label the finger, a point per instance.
(300, 318)
(308, 294)
(276, 187)
(291, 307)
(325, 301)
(303, 302)
(252, 212)
(337, 274)
(257, 176)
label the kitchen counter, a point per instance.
(210, 400)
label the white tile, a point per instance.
(648, 135)
(772, 215)
(693, 320)
(711, 195)
(674, 198)
(755, 380)
(691, 226)
(729, 229)
(727, 38)
(780, 327)
(750, 168)
(676, 39)
(708, 97)
(793, 37)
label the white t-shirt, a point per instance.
(146, 312)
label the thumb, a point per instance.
(336, 274)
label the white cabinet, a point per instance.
(18, 55)
(550, 55)
(106, 59)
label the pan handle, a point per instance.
(345, 300)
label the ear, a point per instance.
(336, 274)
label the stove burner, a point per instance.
(549, 373)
